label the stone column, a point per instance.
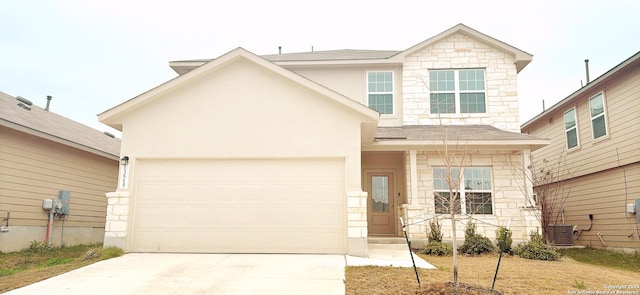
(115, 229)
(357, 231)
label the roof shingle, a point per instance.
(48, 123)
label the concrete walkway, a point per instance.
(396, 255)
(158, 273)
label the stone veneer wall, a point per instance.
(357, 223)
(115, 230)
(509, 202)
(456, 52)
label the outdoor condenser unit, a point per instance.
(560, 234)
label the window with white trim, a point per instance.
(380, 92)
(472, 193)
(571, 128)
(460, 91)
(598, 119)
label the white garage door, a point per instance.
(240, 206)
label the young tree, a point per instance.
(549, 189)
(453, 162)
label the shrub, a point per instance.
(476, 245)
(438, 249)
(435, 231)
(503, 239)
(470, 230)
(535, 249)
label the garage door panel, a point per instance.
(229, 241)
(248, 206)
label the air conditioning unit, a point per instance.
(560, 234)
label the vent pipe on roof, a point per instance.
(279, 49)
(586, 65)
(48, 102)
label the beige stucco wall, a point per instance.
(508, 195)
(351, 81)
(34, 169)
(458, 51)
(244, 111)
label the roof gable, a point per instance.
(522, 58)
(51, 126)
(112, 116)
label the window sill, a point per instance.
(459, 116)
(600, 139)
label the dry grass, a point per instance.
(19, 269)
(516, 276)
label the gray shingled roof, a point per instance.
(326, 55)
(453, 132)
(51, 124)
(344, 54)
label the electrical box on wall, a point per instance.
(47, 204)
(631, 208)
(65, 198)
(638, 209)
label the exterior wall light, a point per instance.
(124, 162)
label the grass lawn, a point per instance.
(18, 269)
(516, 275)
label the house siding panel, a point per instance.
(605, 195)
(603, 174)
(33, 169)
(620, 147)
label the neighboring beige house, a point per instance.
(315, 152)
(596, 132)
(41, 154)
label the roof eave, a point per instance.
(57, 139)
(460, 145)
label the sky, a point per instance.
(93, 55)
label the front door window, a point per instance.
(380, 193)
(381, 211)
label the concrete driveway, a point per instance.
(146, 273)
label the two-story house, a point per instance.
(315, 152)
(595, 135)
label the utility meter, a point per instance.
(47, 204)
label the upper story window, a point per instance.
(598, 119)
(457, 91)
(380, 92)
(472, 192)
(571, 128)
